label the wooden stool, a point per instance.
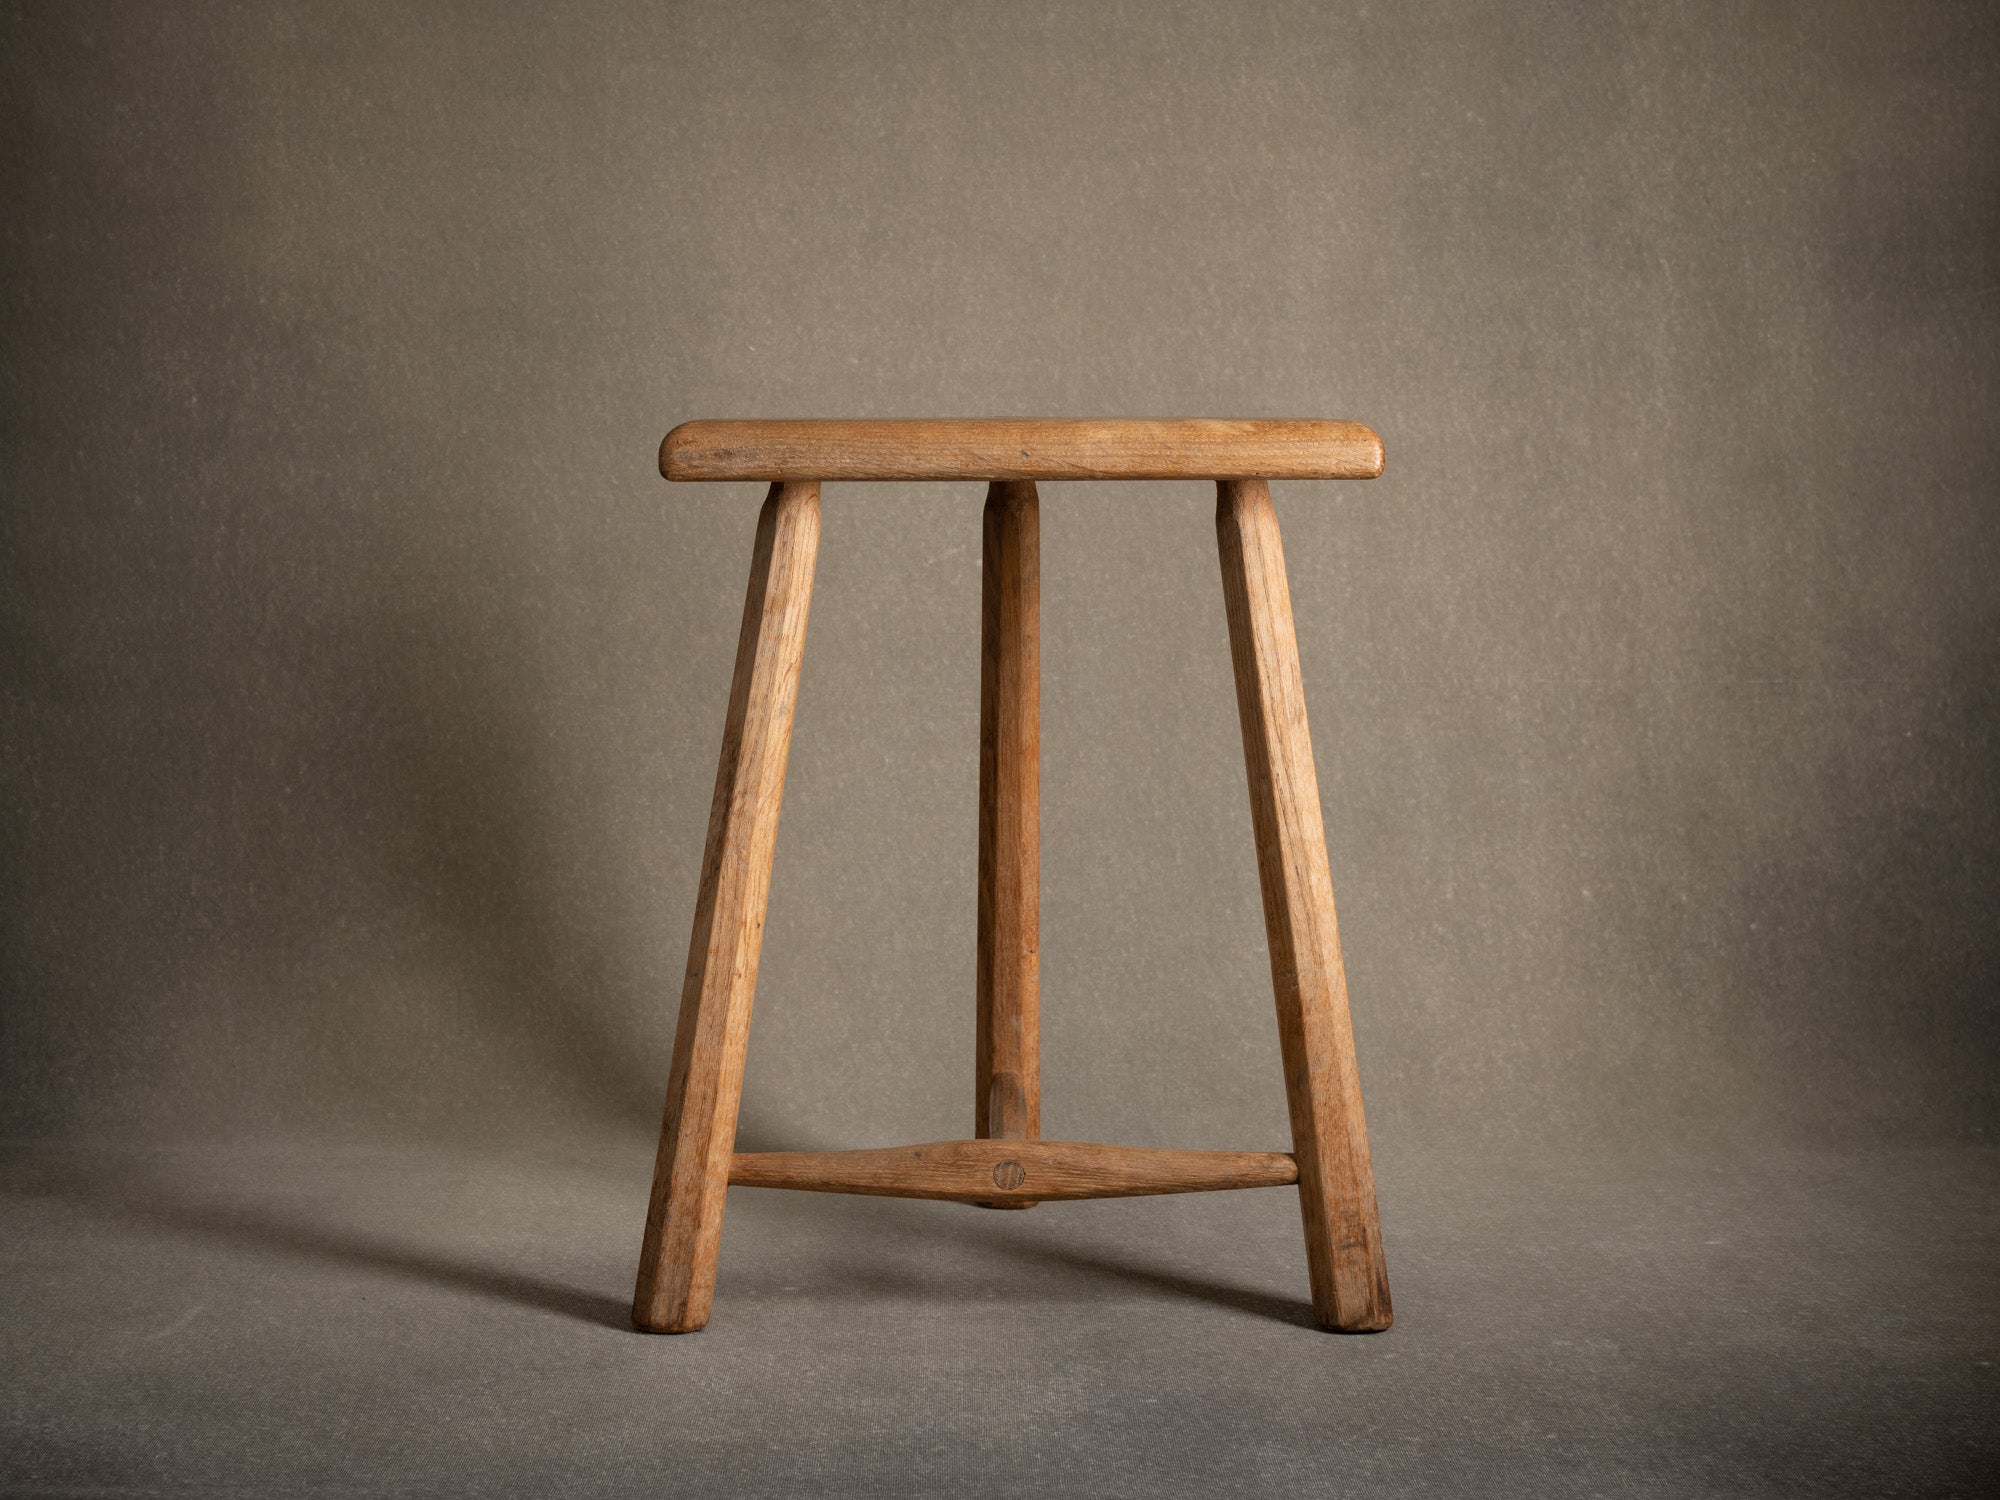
(1008, 1164)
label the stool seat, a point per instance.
(1009, 449)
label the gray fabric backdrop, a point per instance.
(364, 681)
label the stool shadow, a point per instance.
(187, 1210)
(1134, 1273)
(979, 1233)
(157, 1205)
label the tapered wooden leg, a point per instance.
(705, 1085)
(1350, 1278)
(1008, 1102)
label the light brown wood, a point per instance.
(949, 449)
(1007, 1052)
(1344, 1255)
(1009, 1165)
(1017, 1171)
(704, 1087)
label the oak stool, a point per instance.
(1008, 1164)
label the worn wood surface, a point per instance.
(1178, 449)
(705, 1083)
(1007, 1052)
(1350, 1279)
(1017, 1171)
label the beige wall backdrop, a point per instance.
(364, 681)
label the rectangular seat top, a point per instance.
(1017, 449)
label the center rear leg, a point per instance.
(1007, 1103)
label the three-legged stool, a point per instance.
(1007, 1163)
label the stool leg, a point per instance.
(1008, 1100)
(1350, 1279)
(705, 1085)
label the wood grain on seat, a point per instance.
(1008, 449)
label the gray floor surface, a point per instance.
(374, 1320)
